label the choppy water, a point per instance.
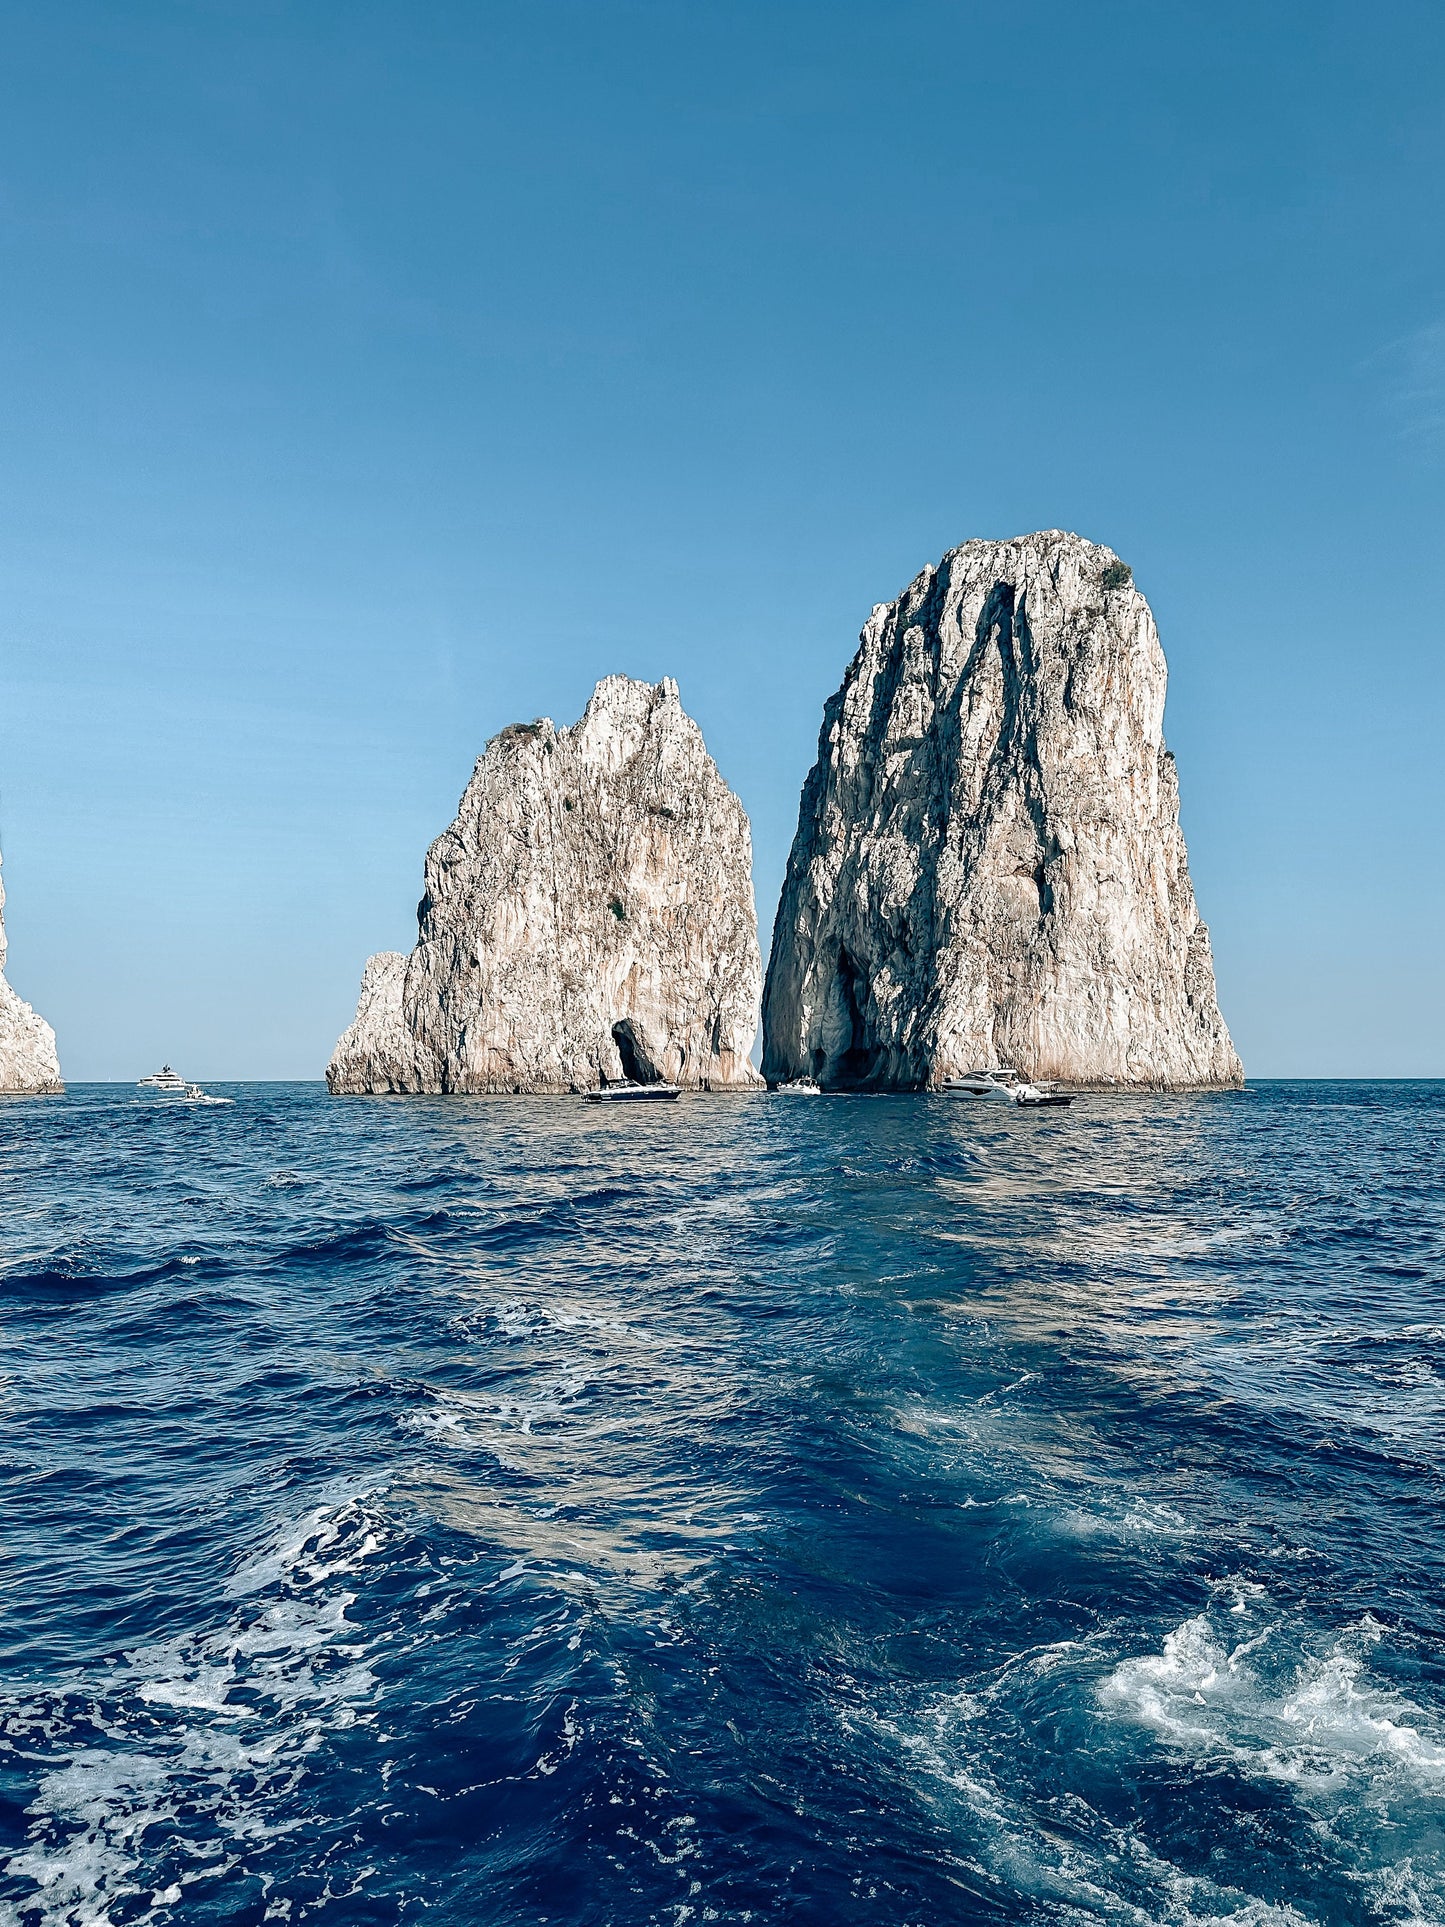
(888, 1511)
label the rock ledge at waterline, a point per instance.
(589, 915)
(988, 867)
(29, 1066)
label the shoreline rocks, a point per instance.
(588, 916)
(988, 868)
(29, 1065)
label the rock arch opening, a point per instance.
(856, 1062)
(637, 1065)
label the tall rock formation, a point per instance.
(28, 1062)
(589, 915)
(988, 867)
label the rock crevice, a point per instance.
(988, 867)
(588, 915)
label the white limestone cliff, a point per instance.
(377, 1052)
(29, 1065)
(988, 867)
(588, 916)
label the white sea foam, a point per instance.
(1312, 1719)
(205, 1737)
(1001, 1840)
(491, 1422)
(1240, 1689)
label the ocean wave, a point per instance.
(464, 1511)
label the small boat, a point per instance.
(994, 1083)
(195, 1095)
(798, 1087)
(626, 1092)
(165, 1079)
(1031, 1097)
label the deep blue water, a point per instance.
(860, 1510)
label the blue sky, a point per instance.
(372, 375)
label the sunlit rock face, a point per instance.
(29, 1065)
(988, 868)
(588, 916)
(377, 1051)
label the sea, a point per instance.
(887, 1510)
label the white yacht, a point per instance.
(1005, 1083)
(165, 1079)
(996, 1083)
(797, 1087)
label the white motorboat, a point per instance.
(165, 1079)
(996, 1083)
(1005, 1083)
(195, 1095)
(626, 1092)
(1031, 1097)
(799, 1087)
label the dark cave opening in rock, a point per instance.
(637, 1066)
(856, 1062)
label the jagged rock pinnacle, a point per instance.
(588, 915)
(988, 867)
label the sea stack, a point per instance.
(29, 1066)
(988, 869)
(588, 916)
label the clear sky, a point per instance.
(373, 375)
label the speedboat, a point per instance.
(996, 1083)
(1032, 1096)
(195, 1095)
(626, 1092)
(798, 1087)
(165, 1079)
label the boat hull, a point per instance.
(635, 1094)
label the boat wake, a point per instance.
(172, 1774)
(872, 1514)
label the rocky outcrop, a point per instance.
(377, 1051)
(588, 916)
(988, 867)
(29, 1065)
